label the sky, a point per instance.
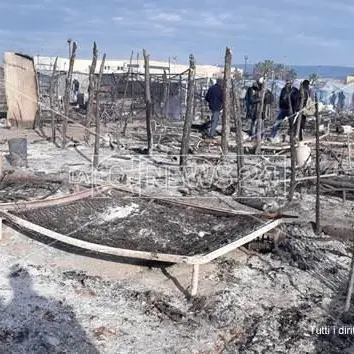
(293, 32)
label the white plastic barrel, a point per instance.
(303, 157)
(347, 129)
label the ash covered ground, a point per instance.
(56, 299)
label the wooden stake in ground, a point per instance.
(189, 113)
(148, 101)
(302, 99)
(226, 103)
(260, 116)
(239, 135)
(67, 93)
(126, 118)
(98, 123)
(318, 172)
(51, 101)
(165, 95)
(292, 150)
(91, 93)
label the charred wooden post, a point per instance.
(292, 151)
(129, 76)
(1, 168)
(201, 104)
(318, 171)
(302, 99)
(67, 93)
(148, 101)
(349, 152)
(189, 112)
(91, 92)
(39, 120)
(260, 117)
(51, 100)
(98, 123)
(239, 137)
(226, 103)
(165, 95)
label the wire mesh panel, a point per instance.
(142, 224)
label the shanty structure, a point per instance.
(21, 90)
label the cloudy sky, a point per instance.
(303, 32)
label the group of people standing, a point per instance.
(289, 105)
(337, 102)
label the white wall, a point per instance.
(120, 66)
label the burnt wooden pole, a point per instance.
(292, 151)
(260, 117)
(91, 92)
(189, 112)
(239, 137)
(98, 123)
(51, 99)
(226, 103)
(126, 118)
(299, 119)
(165, 95)
(318, 172)
(67, 93)
(148, 100)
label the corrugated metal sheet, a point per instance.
(21, 90)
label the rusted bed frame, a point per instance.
(196, 261)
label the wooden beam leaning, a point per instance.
(226, 104)
(189, 112)
(98, 121)
(67, 94)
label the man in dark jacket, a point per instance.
(268, 101)
(341, 101)
(289, 102)
(214, 97)
(252, 100)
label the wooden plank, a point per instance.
(214, 211)
(236, 244)
(189, 113)
(95, 247)
(54, 201)
(98, 122)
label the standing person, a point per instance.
(252, 101)
(332, 99)
(214, 97)
(268, 101)
(288, 95)
(341, 100)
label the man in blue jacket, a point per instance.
(214, 97)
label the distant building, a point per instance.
(349, 79)
(122, 66)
